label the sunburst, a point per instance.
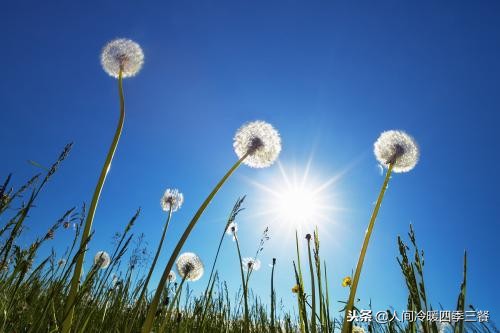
(297, 199)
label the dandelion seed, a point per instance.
(296, 289)
(397, 147)
(171, 199)
(347, 281)
(232, 228)
(260, 141)
(190, 266)
(123, 54)
(102, 259)
(171, 276)
(250, 264)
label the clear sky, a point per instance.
(329, 75)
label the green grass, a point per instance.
(34, 290)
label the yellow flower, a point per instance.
(346, 282)
(295, 289)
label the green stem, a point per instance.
(148, 323)
(313, 290)
(244, 282)
(93, 205)
(347, 325)
(273, 298)
(300, 282)
(171, 306)
(151, 269)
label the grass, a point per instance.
(52, 294)
(34, 290)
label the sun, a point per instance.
(297, 204)
(296, 199)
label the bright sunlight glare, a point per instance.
(295, 200)
(297, 205)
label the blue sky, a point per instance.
(329, 75)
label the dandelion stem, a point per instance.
(148, 323)
(93, 205)
(347, 325)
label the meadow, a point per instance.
(54, 294)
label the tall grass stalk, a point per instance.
(244, 286)
(347, 325)
(317, 263)
(150, 273)
(92, 209)
(210, 284)
(148, 323)
(301, 302)
(273, 298)
(459, 326)
(313, 289)
(300, 283)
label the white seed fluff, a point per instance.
(102, 259)
(232, 228)
(171, 199)
(250, 264)
(190, 267)
(122, 53)
(171, 276)
(260, 140)
(397, 147)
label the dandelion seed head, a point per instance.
(171, 276)
(171, 199)
(250, 264)
(260, 140)
(122, 53)
(397, 147)
(190, 266)
(232, 228)
(102, 259)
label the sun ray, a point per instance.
(295, 199)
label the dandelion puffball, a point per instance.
(260, 141)
(102, 259)
(232, 228)
(123, 54)
(171, 199)
(396, 147)
(250, 264)
(171, 276)
(190, 267)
